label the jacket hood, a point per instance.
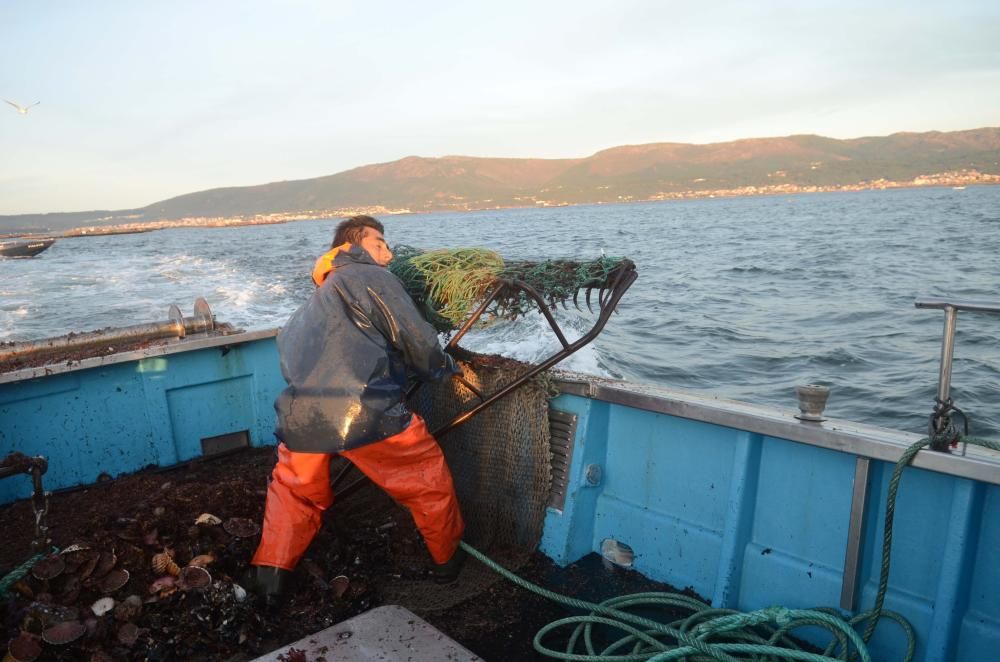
(324, 264)
(353, 255)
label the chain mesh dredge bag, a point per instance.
(500, 459)
(500, 464)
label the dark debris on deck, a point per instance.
(150, 518)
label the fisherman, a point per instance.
(345, 355)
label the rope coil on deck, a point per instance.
(18, 573)
(723, 634)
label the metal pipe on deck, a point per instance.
(177, 326)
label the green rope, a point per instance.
(18, 573)
(448, 284)
(713, 634)
(875, 613)
(719, 634)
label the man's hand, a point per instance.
(452, 365)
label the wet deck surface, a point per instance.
(368, 539)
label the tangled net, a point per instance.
(449, 283)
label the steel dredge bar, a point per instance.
(608, 298)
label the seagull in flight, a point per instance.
(23, 109)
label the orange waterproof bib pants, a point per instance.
(409, 466)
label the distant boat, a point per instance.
(957, 188)
(24, 247)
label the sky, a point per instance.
(143, 101)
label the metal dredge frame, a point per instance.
(608, 298)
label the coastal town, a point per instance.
(954, 179)
(224, 221)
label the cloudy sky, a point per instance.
(141, 101)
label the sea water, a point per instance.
(737, 297)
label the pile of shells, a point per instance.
(159, 566)
(85, 594)
(54, 590)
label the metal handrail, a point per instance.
(941, 430)
(958, 304)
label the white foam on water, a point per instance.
(277, 289)
(240, 295)
(529, 338)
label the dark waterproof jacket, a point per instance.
(345, 355)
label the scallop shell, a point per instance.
(24, 648)
(128, 633)
(114, 580)
(75, 547)
(241, 527)
(162, 584)
(102, 606)
(86, 568)
(340, 584)
(202, 560)
(105, 564)
(193, 577)
(163, 563)
(69, 597)
(70, 583)
(79, 555)
(49, 567)
(128, 608)
(64, 633)
(208, 519)
(43, 615)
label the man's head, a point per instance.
(366, 232)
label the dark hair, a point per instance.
(352, 229)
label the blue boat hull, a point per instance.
(746, 505)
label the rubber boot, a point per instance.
(270, 584)
(447, 572)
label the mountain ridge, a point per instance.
(649, 171)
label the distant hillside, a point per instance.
(632, 172)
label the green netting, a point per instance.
(450, 283)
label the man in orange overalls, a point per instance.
(345, 355)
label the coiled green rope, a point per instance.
(15, 575)
(721, 634)
(707, 634)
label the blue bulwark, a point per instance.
(746, 505)
(751, 520)
(119, 418)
